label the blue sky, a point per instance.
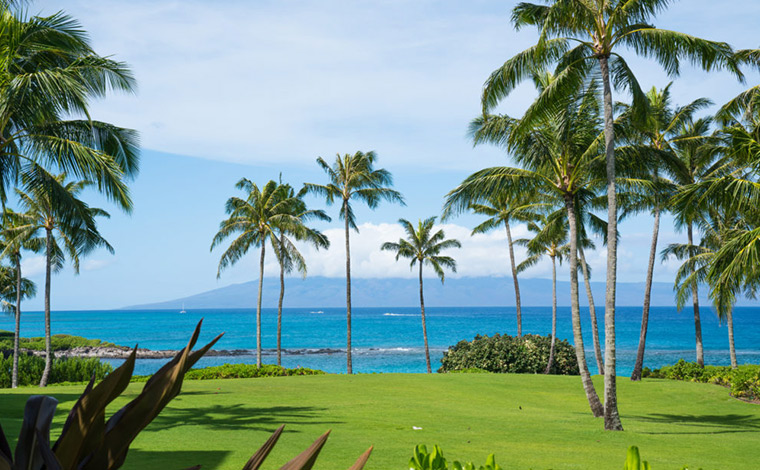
(233, 89)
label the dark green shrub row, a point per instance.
(744, 381)
(72, 369)
(504, 353)
(246, 371)
(59, 342)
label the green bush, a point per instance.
(73, 369)
(246, 371)
(510, 354)
(58, 342)
(744, 381)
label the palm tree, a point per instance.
(256, 220)
(718, 227)
(49, 74)
(20, 287)
(354, 177)
(583, 39)
(501, 209)
(69, 229)
(289, 257)
(550, 240)
(561, 157)
(701, 158)
(424, 247)
(667, 140)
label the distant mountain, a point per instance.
(323, 292)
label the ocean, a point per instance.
(390, 339)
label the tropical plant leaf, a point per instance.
(306, 459)
(362, 461)
(258, 458)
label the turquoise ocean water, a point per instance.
(390, 339)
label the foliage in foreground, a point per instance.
(246, 371)
(510, 354)
(744, 381)
(424, 460)
(89, 442)
(71, 369)
(60, 342)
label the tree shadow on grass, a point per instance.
(704, 424)
(237, 417)
(207, 459)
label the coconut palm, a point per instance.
(69, 229)
(668, 140)
(289, 257)
(255, 220)
(550, 239)
(718, 227)
(561, 157)
(354, 177)
(423, 246)
(20, 288)
(501, 210)
(49, 74)
(583, 39)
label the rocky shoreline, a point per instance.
(116, 352)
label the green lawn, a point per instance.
(528, 421)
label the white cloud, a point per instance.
(32, 266)
(96, 264)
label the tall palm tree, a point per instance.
(289, 257)
(354, 177)
(69, 229)
(503, 209)
(701, 158)
(718, 227)
(424, 247)
(49, 74)
(21, 287)
(583, 39)
(550, 240)
(254, 221)
(665, 138)
(560, 157)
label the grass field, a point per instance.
(528, 421)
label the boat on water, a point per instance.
(183, 308)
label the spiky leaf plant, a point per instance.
(90, 442)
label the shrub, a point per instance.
(58, 342)
(72, 369)
(744, 381)
(246, 371)
(510, 354)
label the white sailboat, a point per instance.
(183, 308)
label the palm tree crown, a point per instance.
(424, 247)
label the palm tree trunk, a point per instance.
(731, 344)
(580, 352)
(550, 362)
(258, 304)
(17, 331)
(514, 278)
(592, 311)
(611, 415)
(349, 368)
(279, 311)
(48, 340)
(636, 375)
(424, 325)
(695, 302)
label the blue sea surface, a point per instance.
(390, 339)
